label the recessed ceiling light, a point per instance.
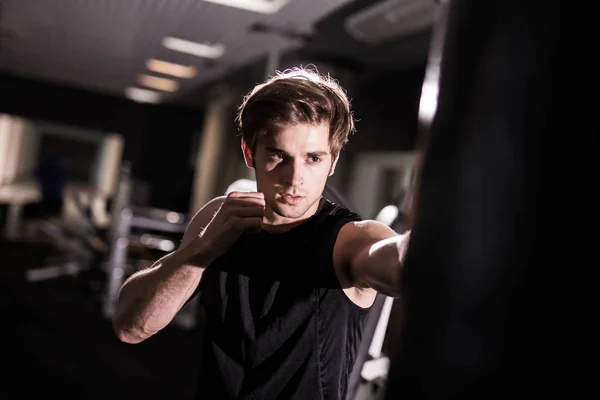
(167, 68)
(197, 49)
(142, 95)
(259, 6)
(154, 82)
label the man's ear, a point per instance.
(333, 164)
(248, 156)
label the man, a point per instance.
(286, 277)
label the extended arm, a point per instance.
(150, 298)
(371, 255)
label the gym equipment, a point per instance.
(146, 232)
(16, 196)
(80, 245)
(498, 301)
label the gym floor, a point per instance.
(56, 341)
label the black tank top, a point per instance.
(278, 325)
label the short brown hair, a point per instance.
(296, 96)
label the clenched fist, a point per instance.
(240, 212)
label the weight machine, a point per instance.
(78, 242)
(141, 234)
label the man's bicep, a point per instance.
(355, 243)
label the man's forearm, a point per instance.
(149, 299)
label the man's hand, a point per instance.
(240, 212)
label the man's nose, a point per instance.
(294, 173)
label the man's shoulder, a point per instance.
(354, 235)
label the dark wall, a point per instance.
(170, 147)
(386, 108)
(158, 138)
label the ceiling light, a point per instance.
(142, 95)
(167, 68)
(259, 6)
(154, 82)
(197, 49)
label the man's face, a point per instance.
(291, 169)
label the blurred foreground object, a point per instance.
(498, 300)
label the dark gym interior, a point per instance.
(499, 97)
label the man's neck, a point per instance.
(275, 223)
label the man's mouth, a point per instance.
(290, 198)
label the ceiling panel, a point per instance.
(104, 44)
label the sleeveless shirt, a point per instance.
(277, 322)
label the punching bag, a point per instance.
(497, 280)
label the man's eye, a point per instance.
(315, 159)
(277, 156)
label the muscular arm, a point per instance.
(369, 257)
(150, 299)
